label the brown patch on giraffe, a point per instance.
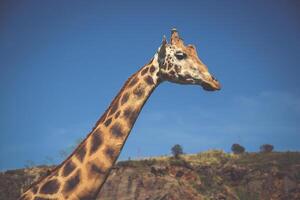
(72, 183)
(117, 130)
(172, 72)
(114, 106)
(96, 141)
(130, 114)
(107, 122)
(68, 168)
(50, 187)
(124, 98)
(81, 152)
(96, 169)
(139, 91)
(144, 71)
(117, 114)
(133, 81)
(149, 80)
(152, 69)
(110, 153)
(177, 68)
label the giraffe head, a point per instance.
(179, 63)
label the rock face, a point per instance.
(210, 175)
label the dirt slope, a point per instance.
(208, 175)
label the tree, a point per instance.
(237, 149)
(177, 150)
(266, 148)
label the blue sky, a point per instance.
(62, 62)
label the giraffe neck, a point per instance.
(83, 173)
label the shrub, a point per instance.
(177, 150)
(266, 148)
(237, 149)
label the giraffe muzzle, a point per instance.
(211, 84)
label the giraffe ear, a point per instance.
(162, 49)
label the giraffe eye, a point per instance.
(180, 55)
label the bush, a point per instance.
(237, 149)
(177, 150)
(266, 148)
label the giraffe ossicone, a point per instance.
(83, 173)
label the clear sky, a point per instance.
(62, 62)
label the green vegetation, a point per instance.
(177, 151)
(266, 148)
(237, 149)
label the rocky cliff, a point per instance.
(211, 175)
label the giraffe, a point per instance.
(83, 173)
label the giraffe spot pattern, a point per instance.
(114, 106)
(133, 81)
(149, 80)
(116, 130)
(81, 152)
(144, 71)
(138, 91)
(117, 114)
(96, 169)
(107, 122)
(68, 168)
(50, 187)
(96, 141)
(172, 72)
(152, 69)
(130, 114)
(124, 98)
(177, 68)
(110, 153)
(72, 183)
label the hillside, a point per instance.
(211, 175)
